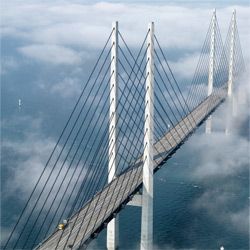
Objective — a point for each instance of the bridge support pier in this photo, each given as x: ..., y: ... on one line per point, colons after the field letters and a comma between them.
x: 112, y: 227
x: 211, y: 70
x: 113, y: 234
x: 147, y: 186
x: 231, y: 72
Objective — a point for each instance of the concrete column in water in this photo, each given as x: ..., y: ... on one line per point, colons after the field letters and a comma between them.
x: 113, y: 226
x: 231, y: 71
x: 211, y: 69
x: 147, y: 187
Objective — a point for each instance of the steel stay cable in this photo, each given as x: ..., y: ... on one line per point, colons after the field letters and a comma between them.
x: 216, y: 90
x: 91, y: 119
x: 222, y: 65
x: 162, y: 109
x: 137, y: 90
x: 124, y: 108
x: 99, y: 144
x: 123, y: 144
x: 121, y: 155
x: 131, y: 169
x: 91, y: 164
x: 170, y: 82
x: 138, y: 56
x: 162, y: 131
x: 227, y: 44
x: 93, y: 210
x: 99, y: 196
x: 111, y: 198
x: 159, y: 47
x: 81, y: 174
x: 122, y: 185
x: 163, y: 119
x: 97, y: 202
x: 218, y: 55
x: 126, y: 150
x: 139, y: 93
x: 143, y: 97
x: 241, y: 53
x: 239, y: 58
x: 78, y: 132
x: 137, y: 114
x: 218, y: 59
x: 78, y: 213
x: 200, y: 88
x: 129, y: 192
x: 53, y: 168
x: 64, y: 128
x: 167, y: 100
x: 198, y: 92
x: 125, y: 85
x: 240, y: 47
x: 241, y: 65
x: 171, y: 122
x: 201, y: 58
x: 171, y: 72
x: 128, y: 50
x: 138, y: 180
x: 201, y: 66
x: 226, y: 49
x: 166, y: 115
x: 156, y: 109
x: 172, y: 88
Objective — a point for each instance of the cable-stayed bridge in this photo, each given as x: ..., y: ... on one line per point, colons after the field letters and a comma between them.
x: 131, y: 117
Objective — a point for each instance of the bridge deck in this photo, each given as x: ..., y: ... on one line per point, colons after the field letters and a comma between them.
x: 92, y: 217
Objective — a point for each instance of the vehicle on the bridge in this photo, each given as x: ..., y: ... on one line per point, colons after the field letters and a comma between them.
x: 62, y: 226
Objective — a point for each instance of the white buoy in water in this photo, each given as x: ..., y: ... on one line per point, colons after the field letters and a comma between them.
x: 168, y: 125
x: 222, y: 248
x: 19, y: 102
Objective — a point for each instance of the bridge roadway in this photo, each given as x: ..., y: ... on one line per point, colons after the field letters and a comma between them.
x: 91, y: 217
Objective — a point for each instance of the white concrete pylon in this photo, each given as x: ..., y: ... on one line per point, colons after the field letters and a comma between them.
x: 211, y: 69
x: 231, y: 59
x: 113, y: 227
x: 231, y: 72
x: 147, y: 187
